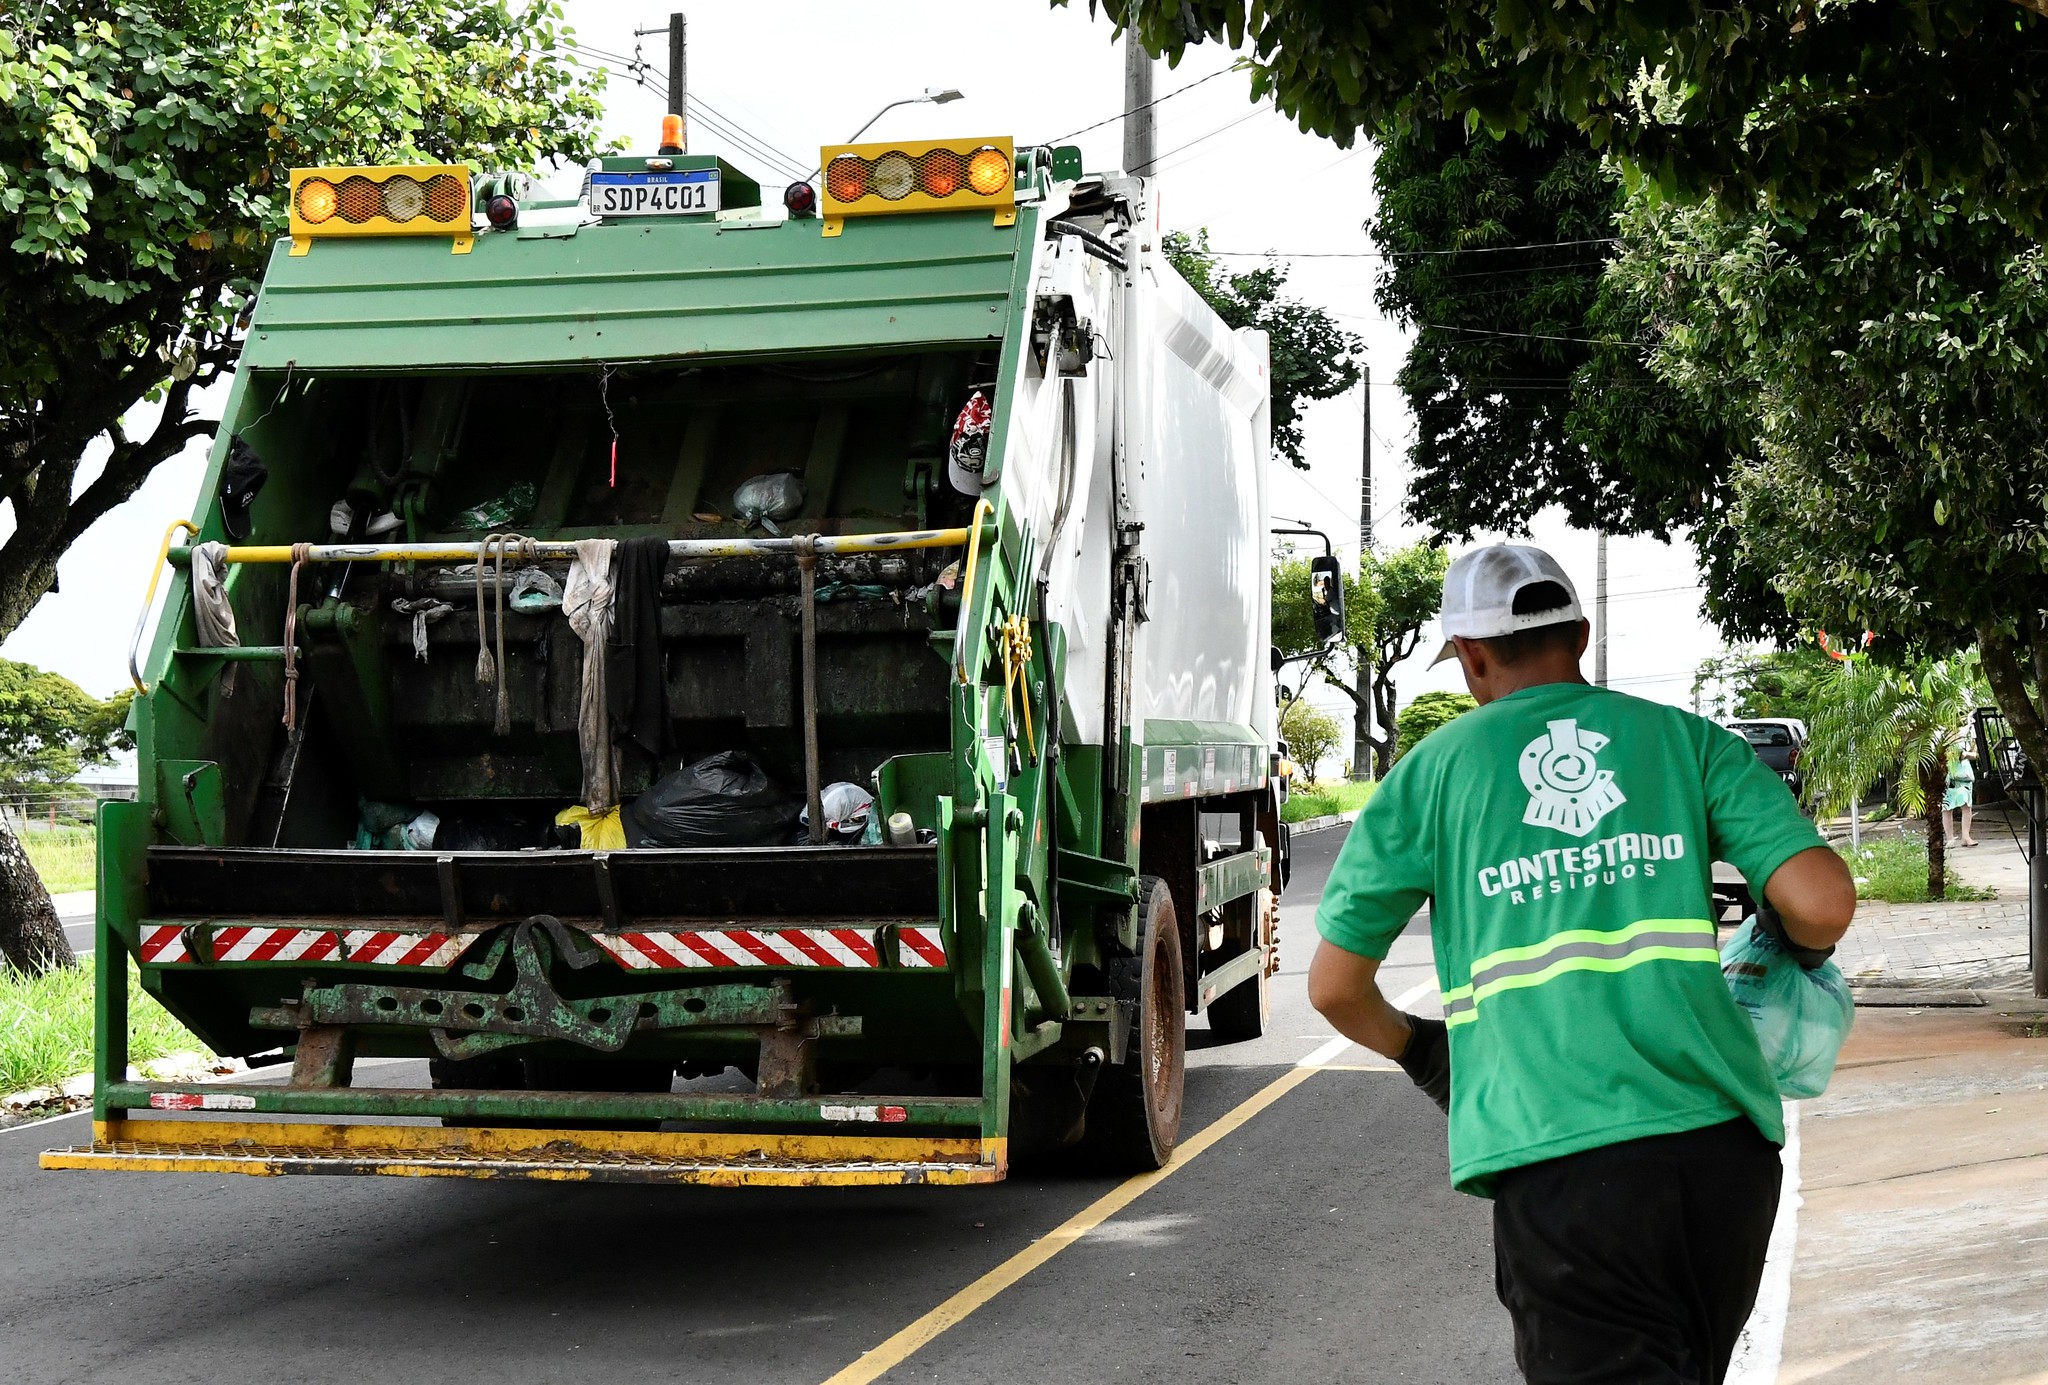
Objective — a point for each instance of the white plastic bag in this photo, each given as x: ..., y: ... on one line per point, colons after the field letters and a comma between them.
x: 1801, y: 1016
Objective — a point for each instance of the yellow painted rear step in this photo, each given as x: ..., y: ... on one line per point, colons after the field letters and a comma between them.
x: 600, y: 1156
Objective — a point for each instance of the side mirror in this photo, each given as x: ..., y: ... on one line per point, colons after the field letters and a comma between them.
x: 1326, y: 597
x: 1279, y: 659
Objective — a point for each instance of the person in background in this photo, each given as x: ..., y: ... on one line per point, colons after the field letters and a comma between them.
x: 1962, y: 787
x: 1604, y: 1089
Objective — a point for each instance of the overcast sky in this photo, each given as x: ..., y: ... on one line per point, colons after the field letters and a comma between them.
x: 785, y: 76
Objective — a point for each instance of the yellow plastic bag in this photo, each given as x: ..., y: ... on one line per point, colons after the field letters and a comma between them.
x: 601, y: 831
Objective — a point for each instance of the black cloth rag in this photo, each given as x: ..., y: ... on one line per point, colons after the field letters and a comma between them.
x: 635, y: 684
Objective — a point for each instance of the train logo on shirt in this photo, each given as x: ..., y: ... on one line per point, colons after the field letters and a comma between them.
x: 1568, y: 791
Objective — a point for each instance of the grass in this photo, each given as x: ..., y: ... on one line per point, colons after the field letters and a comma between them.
x: 63, y: 856
x: 46, y: 1027
x: 1894, y: 869
x: 1339, y: 796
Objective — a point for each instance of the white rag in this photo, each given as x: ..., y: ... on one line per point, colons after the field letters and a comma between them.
x: 587, y: 602
x: 212, y: 612
x: 424, y: 611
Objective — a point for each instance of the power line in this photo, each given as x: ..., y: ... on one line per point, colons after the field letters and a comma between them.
x: 721, y: 124
x: 1120, y: 115
x: 1406, y: 254
x: 1157, y: 159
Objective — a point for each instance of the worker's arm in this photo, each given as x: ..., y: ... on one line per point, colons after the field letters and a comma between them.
x: 1344, y: 987
x: 1815, y: 897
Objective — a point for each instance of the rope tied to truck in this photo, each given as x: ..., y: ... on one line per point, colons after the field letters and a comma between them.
x: 492, y: 552
x: 806, y: 549
x: 300, y: 553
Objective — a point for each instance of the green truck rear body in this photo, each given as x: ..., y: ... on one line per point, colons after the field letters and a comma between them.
x: 894, y: 1004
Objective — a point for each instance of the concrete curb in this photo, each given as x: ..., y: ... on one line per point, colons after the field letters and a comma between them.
x: 1323, y: 823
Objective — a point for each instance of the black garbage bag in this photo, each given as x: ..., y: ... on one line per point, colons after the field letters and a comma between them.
x: 494, y: 827
x: 721, y: 800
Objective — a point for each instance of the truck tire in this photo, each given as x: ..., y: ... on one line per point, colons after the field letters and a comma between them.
x: 1134, y: 1113
x: 1241, y: 1012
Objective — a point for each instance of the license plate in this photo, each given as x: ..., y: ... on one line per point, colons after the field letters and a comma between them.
x: 654, y: 194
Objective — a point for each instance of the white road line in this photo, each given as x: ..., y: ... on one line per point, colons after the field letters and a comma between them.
x: 1762, y: 1344
x: 46, y: 1120
x: 1325, y: 1053
x: 1415, y: 993
x: 1329, y: 1051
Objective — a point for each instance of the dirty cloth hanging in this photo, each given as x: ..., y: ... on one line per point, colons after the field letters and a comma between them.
x: 424, y: 610
x: 635, y: 685
x: 212, y: 613
x: 587, y: 602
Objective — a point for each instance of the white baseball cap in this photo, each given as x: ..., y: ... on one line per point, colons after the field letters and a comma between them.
x: 1480, y: 591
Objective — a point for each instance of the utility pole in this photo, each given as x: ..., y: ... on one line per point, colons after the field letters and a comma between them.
x: 1362, y: 714
x: 1600, y: 612
x: 679, y: 70
x: 1138, y: 148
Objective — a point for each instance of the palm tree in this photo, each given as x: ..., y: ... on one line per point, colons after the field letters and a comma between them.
x: 1869, y: 720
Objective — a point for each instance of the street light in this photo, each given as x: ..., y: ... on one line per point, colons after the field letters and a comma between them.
x: 938, y: 96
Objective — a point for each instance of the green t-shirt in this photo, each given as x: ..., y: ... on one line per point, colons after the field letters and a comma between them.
x: 1565, y: 837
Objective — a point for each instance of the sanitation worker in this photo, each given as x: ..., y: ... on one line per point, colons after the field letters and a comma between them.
x: 1603, y: 1088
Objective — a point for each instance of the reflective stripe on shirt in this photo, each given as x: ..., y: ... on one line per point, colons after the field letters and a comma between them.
x: 1580, y: 949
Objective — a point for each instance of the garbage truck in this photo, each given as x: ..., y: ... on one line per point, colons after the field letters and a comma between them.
x: 749, y: 694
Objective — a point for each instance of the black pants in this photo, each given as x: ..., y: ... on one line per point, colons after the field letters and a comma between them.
x: 1636, y: 1263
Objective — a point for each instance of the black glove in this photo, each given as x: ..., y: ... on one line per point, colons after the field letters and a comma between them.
x: 1427, y: 1060
x: 1771, y: 926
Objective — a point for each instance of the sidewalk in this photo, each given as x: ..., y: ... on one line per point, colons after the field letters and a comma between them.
x: 1922, y: 1250
x: 1964, y: 945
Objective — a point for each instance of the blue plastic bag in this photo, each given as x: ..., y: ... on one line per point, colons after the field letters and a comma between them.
x: 1801, y: 1016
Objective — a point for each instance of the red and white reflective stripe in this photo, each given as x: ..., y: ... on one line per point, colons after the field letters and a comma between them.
x: 743, y: 947
x: 165, y: 943
x: 920, y: 947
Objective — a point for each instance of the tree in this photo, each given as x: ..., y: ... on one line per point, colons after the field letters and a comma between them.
x: 1870, y: 720
x: 1524, y: 376
x: 143, y: 152
x: 1762, y: 682
x: 1410, y: 585
x: 1887, y: 355
x: 50, y: 728
x: 1312, y: 357
x: 1430, y: 711
x: 1785, y: 98
x: 1311, y: 734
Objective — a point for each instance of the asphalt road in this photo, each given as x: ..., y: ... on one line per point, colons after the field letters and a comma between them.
x: 1318, y: 1241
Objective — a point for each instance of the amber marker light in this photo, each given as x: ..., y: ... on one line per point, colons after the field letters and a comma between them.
x: 316, y: 200
x: 847, y: 178
x: 988, y: 171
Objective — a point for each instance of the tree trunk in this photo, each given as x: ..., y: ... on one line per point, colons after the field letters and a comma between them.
x: 2003, y: 672
x: 1362, y: 758
x: 1383, y: 708
x: 1933, y: 784
x: 31, y: 939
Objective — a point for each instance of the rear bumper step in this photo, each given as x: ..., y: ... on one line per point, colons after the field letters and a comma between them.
x: 719, y: 1160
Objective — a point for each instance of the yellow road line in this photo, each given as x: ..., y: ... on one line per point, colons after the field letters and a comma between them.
x: 956, y: 1309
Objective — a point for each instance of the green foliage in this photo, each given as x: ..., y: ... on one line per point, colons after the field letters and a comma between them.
x: 46, y: 1027
x: 1763, y: 682
x: 1894, y: 869
x: 1327, y: 800
x: 65, y: 858
x: 1887, y: 357
x: 1869, y: 720
x: 144, y: 146
x: 50, y: 728
x: 1312, y: 357
x: 1311, y: 734
x: 1430, y: 711
x: 1409, y: 583
x: 1787, y: 98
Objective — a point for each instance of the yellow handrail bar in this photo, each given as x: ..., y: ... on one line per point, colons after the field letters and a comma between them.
x: 149, y: 597
x: 564, y: 549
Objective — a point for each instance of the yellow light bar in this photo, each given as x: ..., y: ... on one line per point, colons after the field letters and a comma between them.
x: 400, y: 200
x: 947, y: 175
